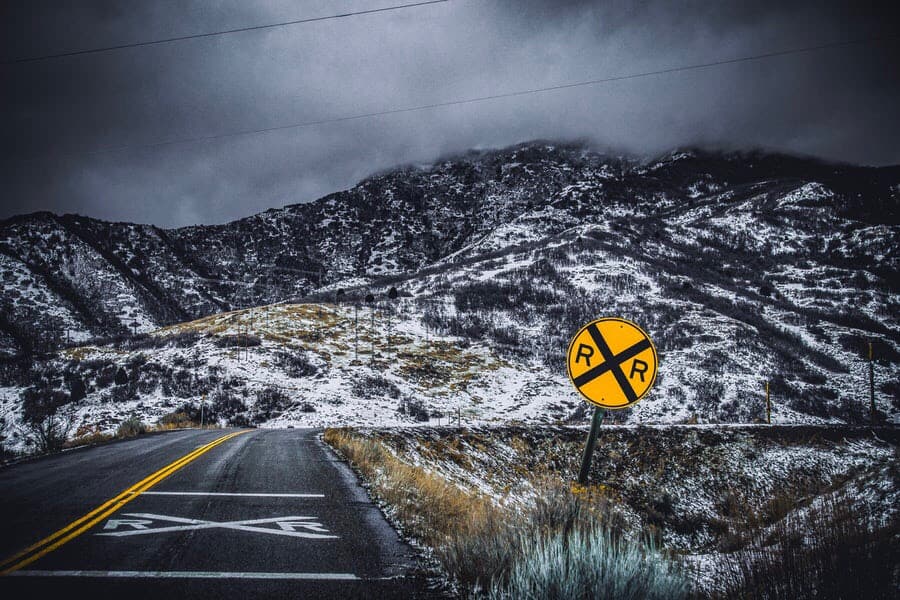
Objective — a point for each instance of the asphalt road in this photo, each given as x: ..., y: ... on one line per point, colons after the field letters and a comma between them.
x: 262, y: 514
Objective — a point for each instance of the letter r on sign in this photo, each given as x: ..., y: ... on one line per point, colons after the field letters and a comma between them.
x: 640, y: 370
x: 586, y: 351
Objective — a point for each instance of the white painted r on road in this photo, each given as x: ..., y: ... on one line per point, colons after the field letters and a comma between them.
x: 136, y: 523
x: 292, y: 526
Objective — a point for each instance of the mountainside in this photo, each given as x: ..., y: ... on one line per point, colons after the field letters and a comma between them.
x: 743, y: 267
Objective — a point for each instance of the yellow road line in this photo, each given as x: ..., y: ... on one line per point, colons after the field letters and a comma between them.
x: 102, y: 507
x: 82, y: 524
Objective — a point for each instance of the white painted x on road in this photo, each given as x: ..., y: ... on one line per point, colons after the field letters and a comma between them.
x: 292, y: 526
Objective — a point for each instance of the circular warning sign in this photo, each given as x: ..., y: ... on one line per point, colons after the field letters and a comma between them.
x: 612, y: 362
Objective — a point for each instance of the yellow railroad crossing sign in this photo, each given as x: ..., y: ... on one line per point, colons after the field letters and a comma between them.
x: 612, y: 362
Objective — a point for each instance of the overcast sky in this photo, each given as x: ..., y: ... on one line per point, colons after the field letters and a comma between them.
x: 60, y: 117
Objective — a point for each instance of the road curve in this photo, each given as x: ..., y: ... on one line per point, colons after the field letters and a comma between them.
x: 265, y: 513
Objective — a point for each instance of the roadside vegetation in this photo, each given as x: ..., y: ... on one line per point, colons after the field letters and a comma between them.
x: 47, y: 429
x: 550, y: 549
x: 833, y: 551
x: 494, y: 508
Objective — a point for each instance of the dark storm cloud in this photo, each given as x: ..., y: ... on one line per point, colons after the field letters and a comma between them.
x: 839, y: 104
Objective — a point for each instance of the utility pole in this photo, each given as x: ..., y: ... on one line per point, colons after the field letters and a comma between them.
x: 319, y: 304
x: 392, y: 296
x: 768, y: 406
x: 356, y: 330
x: 202, y: 404
x: 871, y: 384
x: 370, y: 300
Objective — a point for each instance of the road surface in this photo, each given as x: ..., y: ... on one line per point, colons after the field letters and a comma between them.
x: 200, y: 514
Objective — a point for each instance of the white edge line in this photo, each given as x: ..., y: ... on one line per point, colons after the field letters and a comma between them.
x: 250, y: 495
x: 187, y: 575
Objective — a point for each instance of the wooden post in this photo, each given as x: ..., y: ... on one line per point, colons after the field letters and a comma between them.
x: 768, y: 406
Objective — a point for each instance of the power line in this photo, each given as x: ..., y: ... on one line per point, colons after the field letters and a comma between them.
x: 525, y: 92
x: 217, y: 33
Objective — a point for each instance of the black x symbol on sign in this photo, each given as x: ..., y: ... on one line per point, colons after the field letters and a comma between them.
x: 612, y: 362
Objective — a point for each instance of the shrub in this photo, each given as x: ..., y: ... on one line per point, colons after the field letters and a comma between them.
x: 589, y: 562
x: 270, y: 402
x: 414, y: 408
x: 131, y: 427
x: 225, y: 405
x: 471, y: 327
x: 178, y: 419
x: 375, y: 386
x: 835, y: 550
x: 296, y: 364
x: 47, y: 429
x: 238, y: 340
x: 708, y: 394
x: 123, y: 393
x: 77, y: 389
x: 121, y: 377
x: 489, y: 295
x: 434, y: 316
x: 183, y: 340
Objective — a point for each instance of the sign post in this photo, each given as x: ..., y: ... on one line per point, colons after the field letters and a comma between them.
x: 613, y: 364
x: 589, y: 447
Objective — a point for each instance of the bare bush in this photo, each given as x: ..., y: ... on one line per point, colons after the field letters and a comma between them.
x: 375, y: 386
x: 835, y: 550
x: 296, y: 364
x: 270, y: 403
x: 47, y: 429
x: 238, y: 340
x: 131, y: 427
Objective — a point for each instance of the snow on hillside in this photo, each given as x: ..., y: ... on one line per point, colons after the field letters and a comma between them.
x: 744, y: 269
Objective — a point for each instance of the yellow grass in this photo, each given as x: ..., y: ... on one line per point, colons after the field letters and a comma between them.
x: 426, y: 505
x: 474, y: 539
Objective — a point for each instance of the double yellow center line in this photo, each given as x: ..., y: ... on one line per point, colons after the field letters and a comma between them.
x: 79, y: 526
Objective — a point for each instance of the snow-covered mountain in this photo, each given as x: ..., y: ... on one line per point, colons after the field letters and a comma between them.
x: 744, y: 268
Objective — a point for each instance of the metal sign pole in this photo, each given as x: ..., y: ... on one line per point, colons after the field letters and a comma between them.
x: 589, y: 447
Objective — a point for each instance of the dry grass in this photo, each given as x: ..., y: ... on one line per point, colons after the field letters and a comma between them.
x: 88, y: 435
x: 479, y: 544
x: 89, y: 439
x: 427, y: 506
